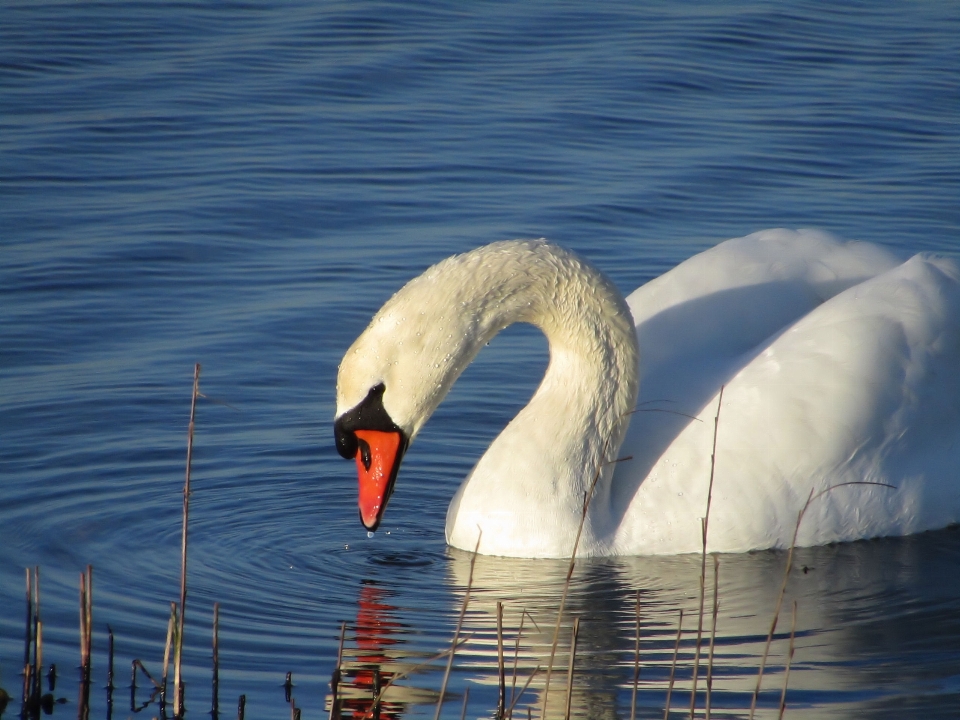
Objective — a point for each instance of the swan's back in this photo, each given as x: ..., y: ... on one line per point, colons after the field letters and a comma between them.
x: 840, y: 365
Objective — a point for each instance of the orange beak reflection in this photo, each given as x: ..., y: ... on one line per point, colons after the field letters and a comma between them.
x: 378, y: 459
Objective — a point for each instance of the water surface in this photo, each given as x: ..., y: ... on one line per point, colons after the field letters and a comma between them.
x: 243, y: 185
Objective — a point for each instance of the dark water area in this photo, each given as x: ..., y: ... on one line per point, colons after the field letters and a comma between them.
x: 243, y: 185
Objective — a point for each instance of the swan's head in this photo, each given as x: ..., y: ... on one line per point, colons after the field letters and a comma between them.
x: 396, y: 373
x: 368, y: 433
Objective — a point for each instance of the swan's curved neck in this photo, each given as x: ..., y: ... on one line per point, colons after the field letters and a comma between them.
x: 533, y: 477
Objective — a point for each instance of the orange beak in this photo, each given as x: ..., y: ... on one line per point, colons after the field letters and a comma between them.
x: 378, y: 459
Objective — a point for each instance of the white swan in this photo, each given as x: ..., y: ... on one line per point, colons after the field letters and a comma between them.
x: 840, y: 363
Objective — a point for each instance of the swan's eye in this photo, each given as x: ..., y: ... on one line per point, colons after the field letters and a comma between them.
x: 364, y: 452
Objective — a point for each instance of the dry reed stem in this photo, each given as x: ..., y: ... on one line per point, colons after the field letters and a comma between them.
x: 37, y: 641
x: 466, y: 699
x: 83, y: 621
x: 39, y: 664
x: 636, y: 663
x: 515, y: 700
x: 335, y: 677
x: 713, y: 634
x: 89, y: 612
x: 400, y: 675
x: 109, y: 658
x: 573, y: 655
x: 704, y: 526
x: 138, y: 664
x: 786, y: 674
x: 27, y: 642
x: 516, y: 654
x: 502, y: 695
x: 456, y: 634
x: 673, y: 666
x: 178, y: 652
x: 86, y: 620
x: 171, y: 630
x: 786, y: 576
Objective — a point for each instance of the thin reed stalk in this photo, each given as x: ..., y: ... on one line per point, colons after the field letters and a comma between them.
x: 636, y: 663
x: 786, y: 673
x: 516, y: 654
x: 456, y: 634
x: 110, y: 686
x: 138, y: 665
x: 86, y: 635
x: 38, y: 666
x: 215, y: 689
x: 515, y: 700
x: 466, y: 699
x: 171, y: 632
x: 83, y: 621
x: 89, y: 611
x: 673, y: 666
x: 400, y: 675
x: 27, y: 643
x: 37, y: 638
x: 335, y: 678
x: 713, y: 633
x: 375, y: 707
x: 178, y: 651
x: 573, y: 655
x: 502, y: 695
x: 704, y: 526
x: 786, y: 576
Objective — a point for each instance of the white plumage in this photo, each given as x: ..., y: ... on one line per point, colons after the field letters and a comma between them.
x: 840, y: 363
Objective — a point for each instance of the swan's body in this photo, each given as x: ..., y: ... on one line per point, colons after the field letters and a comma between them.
x: 840, y: 364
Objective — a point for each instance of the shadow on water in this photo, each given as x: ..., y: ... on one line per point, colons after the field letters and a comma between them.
x: 862, y: 607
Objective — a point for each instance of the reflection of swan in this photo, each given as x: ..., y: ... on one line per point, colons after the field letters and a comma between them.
x: 874, y: 623
x: 840, y: 365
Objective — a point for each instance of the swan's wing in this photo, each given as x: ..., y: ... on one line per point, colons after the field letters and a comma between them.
x: 734, y: 296
x: 864, y: 387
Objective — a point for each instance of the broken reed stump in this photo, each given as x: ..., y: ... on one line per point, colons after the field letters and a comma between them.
x: 28, y: 641
x: 86, y: 642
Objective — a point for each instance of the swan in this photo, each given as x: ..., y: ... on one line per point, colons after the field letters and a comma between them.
x: 838, y: 363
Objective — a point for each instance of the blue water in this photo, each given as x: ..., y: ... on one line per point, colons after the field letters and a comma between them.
x: 242, y: 185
